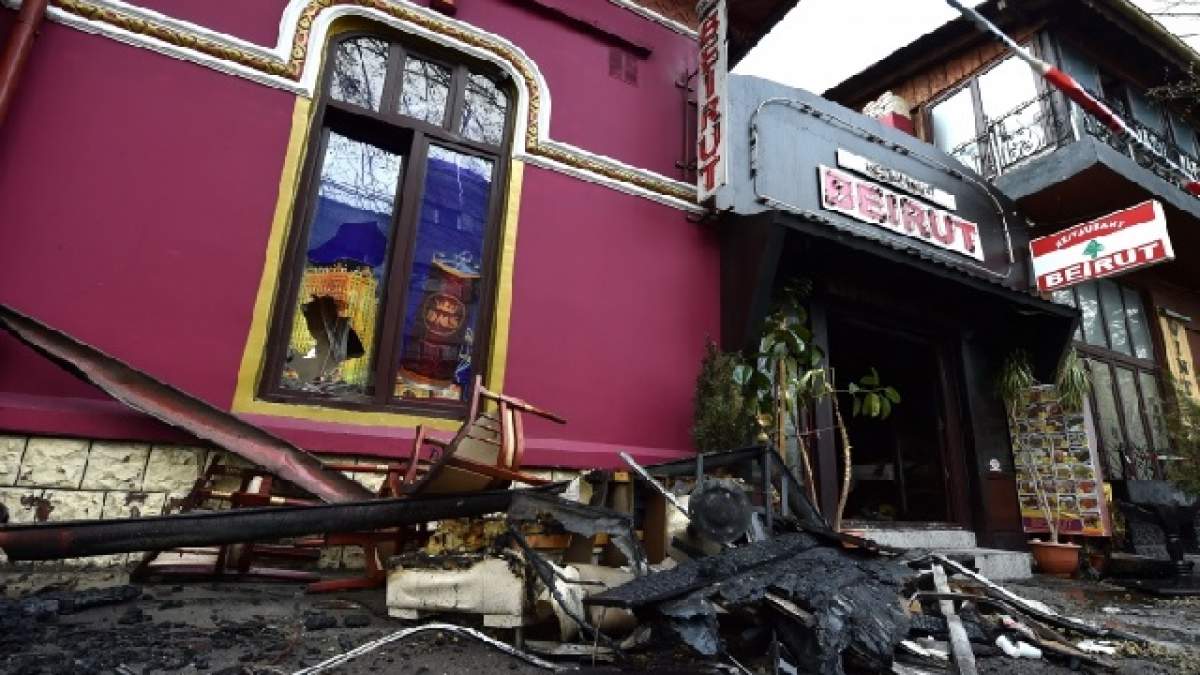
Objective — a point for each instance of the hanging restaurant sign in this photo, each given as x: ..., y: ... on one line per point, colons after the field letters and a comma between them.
x: 896, y: 179
x: 901, y: 213
x: 1114, y: 244
x: 712, y: 162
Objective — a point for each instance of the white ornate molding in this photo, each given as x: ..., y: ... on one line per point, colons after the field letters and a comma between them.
x: 654, y: 16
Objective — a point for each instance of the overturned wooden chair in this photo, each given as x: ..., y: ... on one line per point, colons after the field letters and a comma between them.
x: 485, y: 454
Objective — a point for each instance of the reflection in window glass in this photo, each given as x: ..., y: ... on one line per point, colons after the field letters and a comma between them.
x: 1005, y: 87
x: 1108, y: 420
x: 424, y: 90
x: 1089, y: 308
x: 1139, y: 331
x: 442, y: 301
x: 1067, y: 297
x: 1138, y: 449
x: 1154, y: 410
x: 953, y: 125
x: 1006, y: 92
x: 484, y: 108
x: 360, y: 67
x: 1114, y: 317
x: 333, y: 338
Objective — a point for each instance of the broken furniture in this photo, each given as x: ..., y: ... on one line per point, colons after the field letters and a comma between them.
x: 823, y: 601
x: 497, y: 574
x: 485, y: 454
x: 1160, y: 505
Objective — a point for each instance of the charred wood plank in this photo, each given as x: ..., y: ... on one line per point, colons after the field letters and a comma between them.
x: 1037, y: 611
x: 963, y: 658
x: 695, y: 574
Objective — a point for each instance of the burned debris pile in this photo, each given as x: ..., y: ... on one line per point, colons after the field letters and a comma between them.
x: 722, y: 555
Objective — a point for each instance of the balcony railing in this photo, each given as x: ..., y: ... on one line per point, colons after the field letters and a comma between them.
x: 1027, y: 131
x: 1040, y: 126
x: 1155, y: 139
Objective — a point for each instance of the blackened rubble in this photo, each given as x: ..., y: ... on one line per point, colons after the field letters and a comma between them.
x: 854, y: 601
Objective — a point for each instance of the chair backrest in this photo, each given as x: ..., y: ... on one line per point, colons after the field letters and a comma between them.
x: 490, y: 437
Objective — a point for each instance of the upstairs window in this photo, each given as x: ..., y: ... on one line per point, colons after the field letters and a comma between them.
x: 384, y: 300
x: 994, y: 120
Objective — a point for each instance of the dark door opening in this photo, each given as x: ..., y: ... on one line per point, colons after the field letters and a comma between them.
x: 899, y: 464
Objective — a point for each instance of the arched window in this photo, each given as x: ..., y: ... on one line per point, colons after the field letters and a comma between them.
x: 385, y: 297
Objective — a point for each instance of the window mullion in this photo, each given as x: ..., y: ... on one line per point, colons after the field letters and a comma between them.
x: 390, y: 101
x: 400, y: 267
x: 458, y: 86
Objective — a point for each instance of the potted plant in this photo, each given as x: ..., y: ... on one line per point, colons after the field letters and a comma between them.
x: 1071, y: 383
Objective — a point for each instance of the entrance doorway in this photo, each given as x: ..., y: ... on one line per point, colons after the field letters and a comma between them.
x: 900, y: 465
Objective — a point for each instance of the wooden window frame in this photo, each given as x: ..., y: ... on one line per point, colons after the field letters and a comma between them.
x: 390, y: 129
x: 1032, y: 43
x: 1114, y: 359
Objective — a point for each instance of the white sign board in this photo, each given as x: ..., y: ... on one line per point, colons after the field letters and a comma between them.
x: 1114, y: 244
x: 712, y: 162
x: 901, y: 181
x: 903, y: 214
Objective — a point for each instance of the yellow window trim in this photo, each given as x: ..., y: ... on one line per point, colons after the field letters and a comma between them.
x: 254, y: 354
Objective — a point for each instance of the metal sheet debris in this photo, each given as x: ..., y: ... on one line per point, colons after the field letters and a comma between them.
x: 179, y: 409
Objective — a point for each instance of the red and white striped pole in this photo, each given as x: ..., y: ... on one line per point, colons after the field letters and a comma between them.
x: 1072, y: 90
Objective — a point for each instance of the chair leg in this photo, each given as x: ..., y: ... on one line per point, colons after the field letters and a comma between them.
x: 373, y: 577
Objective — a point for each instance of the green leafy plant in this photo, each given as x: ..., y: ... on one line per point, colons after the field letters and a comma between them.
x: 787, y: 376
x: 1183, y: 429
x: 1072, y: 381
x: 721, y: 419
x: 1015, y: 378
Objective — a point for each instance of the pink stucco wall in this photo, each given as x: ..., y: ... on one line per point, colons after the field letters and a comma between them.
x: 138, y: 191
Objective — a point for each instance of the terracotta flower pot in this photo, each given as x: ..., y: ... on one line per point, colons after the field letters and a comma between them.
x: 1060, y: 560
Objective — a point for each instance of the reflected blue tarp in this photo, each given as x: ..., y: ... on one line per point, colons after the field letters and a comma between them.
x: 344, y: 232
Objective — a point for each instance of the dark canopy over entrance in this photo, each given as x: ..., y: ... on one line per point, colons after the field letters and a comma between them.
x: 937, y: 335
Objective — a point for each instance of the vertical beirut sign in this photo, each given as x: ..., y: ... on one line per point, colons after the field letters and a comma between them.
x: 711, y: 161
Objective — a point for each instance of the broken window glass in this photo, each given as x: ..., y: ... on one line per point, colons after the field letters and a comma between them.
x: 443, y: 290
x: 331, y: 348
x: 360, y: 67
x: 485, y: 107
x: 425, y: 87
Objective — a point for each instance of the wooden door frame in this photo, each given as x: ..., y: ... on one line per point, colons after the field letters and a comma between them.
x: 944, y: 339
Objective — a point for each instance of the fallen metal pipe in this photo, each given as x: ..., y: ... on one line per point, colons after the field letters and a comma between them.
x: 71, y: 539
x: 179, y: 409
x: 16, y: 50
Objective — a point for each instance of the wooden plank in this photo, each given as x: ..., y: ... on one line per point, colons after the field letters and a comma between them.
x: 962, y: 656
x: 655, y: 525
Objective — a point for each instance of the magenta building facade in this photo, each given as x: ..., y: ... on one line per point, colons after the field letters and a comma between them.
x: 161, y: 154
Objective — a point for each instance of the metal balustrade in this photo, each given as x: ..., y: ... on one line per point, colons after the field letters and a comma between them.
x: 1041, y: 125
